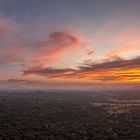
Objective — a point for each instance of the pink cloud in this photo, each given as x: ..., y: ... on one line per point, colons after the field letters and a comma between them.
x: 128, y: 42
x: 122, y: 51
x: 61, y: 47
x: 67, y: 47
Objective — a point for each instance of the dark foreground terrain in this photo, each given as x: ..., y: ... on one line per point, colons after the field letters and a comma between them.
x: 69, y: 115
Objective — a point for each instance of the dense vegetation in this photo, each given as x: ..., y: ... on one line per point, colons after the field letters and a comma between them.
x: 37, y: 115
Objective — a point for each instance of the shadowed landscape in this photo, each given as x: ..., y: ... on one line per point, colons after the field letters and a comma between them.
x: 69, y: 115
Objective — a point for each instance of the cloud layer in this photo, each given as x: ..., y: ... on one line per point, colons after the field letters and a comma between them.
x: 108, y: 70
x: 67, y: 54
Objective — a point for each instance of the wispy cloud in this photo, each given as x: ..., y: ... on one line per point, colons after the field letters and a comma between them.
x: 93, y: 70
x: 65, y: 54
x: 17, y: 45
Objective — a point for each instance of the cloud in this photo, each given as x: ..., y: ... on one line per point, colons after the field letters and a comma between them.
x: 90, y: 52
x: 108, y: 70
x: 63, y: 37
x: 127, y: 42
x: 106, y: 78
x: 66, y: 54
x: 17, y: 81
x: 10, y: 42
x: 58, y: 39
x: 117, y: 64
x: 117, y: 78
x: 123, y: 50
x: 60, y: 48
x: 38, y: 49
x: 50, y: 72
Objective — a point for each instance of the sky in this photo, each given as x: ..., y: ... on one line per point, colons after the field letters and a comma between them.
x: 83, y: 42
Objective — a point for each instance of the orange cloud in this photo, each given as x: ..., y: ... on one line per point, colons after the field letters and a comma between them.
x: 118, y: 70
x: 68, y: 55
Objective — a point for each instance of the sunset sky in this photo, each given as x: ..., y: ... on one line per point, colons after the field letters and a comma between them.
x: 70, y: 41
